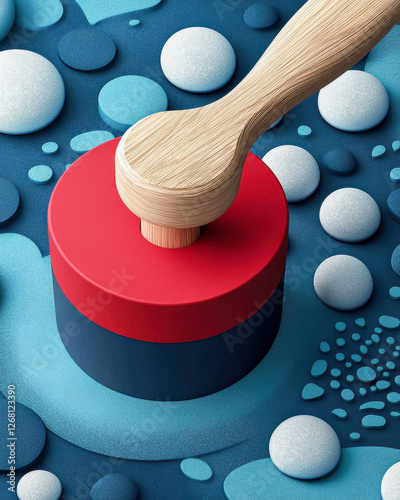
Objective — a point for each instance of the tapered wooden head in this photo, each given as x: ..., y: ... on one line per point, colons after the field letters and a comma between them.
x: 182, y: 169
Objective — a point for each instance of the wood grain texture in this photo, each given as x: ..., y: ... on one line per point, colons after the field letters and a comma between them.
x: 169, y: 237
x: 182, y: 169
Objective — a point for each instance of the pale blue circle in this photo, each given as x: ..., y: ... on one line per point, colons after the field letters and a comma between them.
x: 127, y: 99
x: 40, y: 174
x: 304, y: 131
x: 198, y: 59
x: 196, y: 469
x: 50, y: 148
x: 366, y: 374
x: 7, y: 15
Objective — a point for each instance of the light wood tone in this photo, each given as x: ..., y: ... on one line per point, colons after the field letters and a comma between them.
x: 169, y: 237
x: 182, y: 169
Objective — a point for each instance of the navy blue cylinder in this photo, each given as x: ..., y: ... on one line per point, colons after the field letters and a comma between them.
x: 168, y: 371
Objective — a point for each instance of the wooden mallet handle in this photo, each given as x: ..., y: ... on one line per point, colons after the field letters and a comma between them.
x: 182, y: 169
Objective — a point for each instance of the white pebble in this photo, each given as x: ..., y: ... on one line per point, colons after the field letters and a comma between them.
x: 390, y: 487
x: 198, y: 60
x: 39, y: 484
x: 350, y: 215
x: 32, y: 92
x: 354, y: 102
x: 304, y: 447
x: 343, y: 282
x: 296, y: 170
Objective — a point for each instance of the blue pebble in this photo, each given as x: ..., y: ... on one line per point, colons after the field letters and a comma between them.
x: 382, y: 385
x: 393, y: 203
x: 335, y: 384
x: 340, y: 342
x: 50, y: 148
x: 319, y: 368
x: 335, y: 372
x: 390, y: 365
x: 360, y: 322
x: 89, y: 140
x: 381, y: 350
x: 356, y: 358
x: 363, y: 349
x: 397, y: 380
x: 368, y: 342
x: 304, y: 131
x: 375, y: 338
x: 395, y: 175
x: 196, y: 469
x: 340, y: 326
x: 373, y: 388
x: 378, y: 151
x: 340, y: 413
x: 312, y: 391
x: 394, y: 292
x: 380, y: 369
x: 7, y: 16
x: 324, y: 347
x: 389, y: 322
x: 40, y: 174
x: 373, y: 422
x: 356, y: 337
x: 127, y: 99
x: 348, y: 364
x: 393, y: 397
x: 395, y: 261
x: 396, y: 354
x: 340, y: 356
x: 362, y: 391
x: 385, y: 374
x: 347, y: 395
x: 34, y: 15
x: 134, y: 22
x: 30, y: 433
x: 350, y: 378
x: 395, y: 414
x: 378, y: 330
x: 115, y: 485
x: 366, y: 374
x: 86, y: 49
x: 9, y: 201
x: 396, y: 146
x: 374, y: 361
x: 355, y: 436
x: 339, y: 162
x: 372, y: 405
x: 260, y: 16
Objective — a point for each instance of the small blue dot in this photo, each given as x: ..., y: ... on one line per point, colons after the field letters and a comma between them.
x: 378, y: 330
x: 374, y: 361
x: 340, y: 342
x: 196, y: 469
x: 340, y: 326
x: 373, y: 422
x: 366, y: 374
x: 348, y: 364
x: 393, y: 397
x: 394, y: 293
x: 390, y: 341
x: 362, y: 391
x: 381, y: 385
x: 324, y: 347
x: 304, y: 131
x: 50, y: 148
x: 363, y: 349
x: 368, y: 342
x: 134, y: 22
x: 380, y: 368
x: 395, y: 175
x: 375, y: 338
x: 378, y: 151
x: 356, y: 337
x: 373, y: 388
x: 397, y: 380
x: 340, y: 413
x: 396, y: 146
x: 395, y: 354
x: 347, y: 395
x: 381, y: 350
x: 335, y: 384
x: 350, y: 378
x: 360, y: 322
x: 340, y: 356
x: 40, y: 174
x: 356, y: 358
x: 390, y: 365
x: 335, y: 372
x: 395, y: 414
x: 355, y: 436
x: 385, y: 374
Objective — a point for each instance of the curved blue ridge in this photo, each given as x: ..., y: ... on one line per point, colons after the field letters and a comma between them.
x: 319, y: 368
x: 196, y: 469
x: 384, y: 63
x: 88, y: 140
x: 97, y: 10
x: 35, y: 15
x: 358, y: 475
x: 372, y: 405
